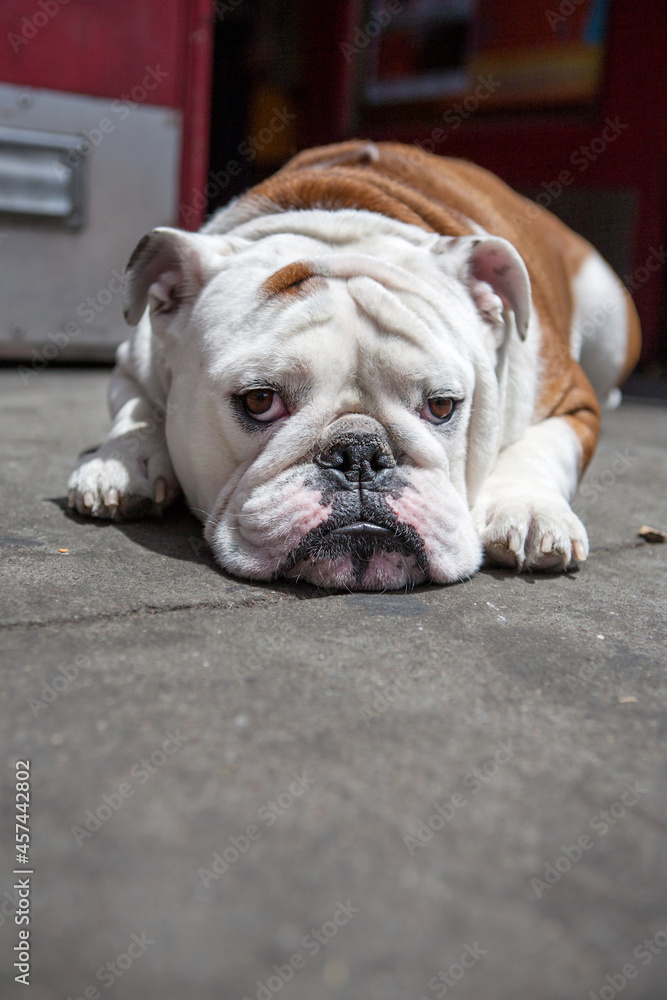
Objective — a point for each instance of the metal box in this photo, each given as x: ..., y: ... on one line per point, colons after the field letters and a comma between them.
x: 81, y: 180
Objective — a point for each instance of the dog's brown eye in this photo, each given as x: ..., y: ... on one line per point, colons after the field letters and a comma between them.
x: 438, y: 410
x: 259, y: 401
x: 264, y: 405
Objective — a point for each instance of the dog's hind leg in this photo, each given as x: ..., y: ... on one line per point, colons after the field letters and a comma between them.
x: 605, y: 337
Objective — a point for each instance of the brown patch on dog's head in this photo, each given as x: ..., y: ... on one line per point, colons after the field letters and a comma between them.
x: 293, y: 279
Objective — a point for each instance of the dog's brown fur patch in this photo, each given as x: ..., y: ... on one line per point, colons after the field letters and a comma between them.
x: 294, y: 279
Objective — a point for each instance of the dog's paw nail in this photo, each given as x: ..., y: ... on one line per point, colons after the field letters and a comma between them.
x: 547, y: 543
x: 88, y: 498
x: 579, y: 550
x: 111, y: 498
x: 160, y: 491
x: 514, y: 540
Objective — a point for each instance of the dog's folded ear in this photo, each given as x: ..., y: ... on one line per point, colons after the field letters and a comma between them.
x: 168, y: 267
x: 495, y: 275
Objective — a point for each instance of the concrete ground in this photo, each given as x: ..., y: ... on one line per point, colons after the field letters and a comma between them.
x: 240, y: 791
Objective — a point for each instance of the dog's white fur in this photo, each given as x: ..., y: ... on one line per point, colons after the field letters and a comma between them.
x: 397, y: 316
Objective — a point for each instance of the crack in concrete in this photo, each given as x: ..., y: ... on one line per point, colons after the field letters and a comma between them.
x: 144, y: 610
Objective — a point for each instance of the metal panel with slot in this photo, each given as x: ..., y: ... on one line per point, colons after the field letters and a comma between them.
x: 81, y: 180
x: 41, y: 176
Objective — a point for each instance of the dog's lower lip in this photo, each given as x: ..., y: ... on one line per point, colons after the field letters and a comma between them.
x: 361, y: 528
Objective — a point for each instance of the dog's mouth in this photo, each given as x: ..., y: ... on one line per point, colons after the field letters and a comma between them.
x: 361, y: 528
x: 356, y: 543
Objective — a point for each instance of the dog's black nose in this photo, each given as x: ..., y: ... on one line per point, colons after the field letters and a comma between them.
x: 357, y: 459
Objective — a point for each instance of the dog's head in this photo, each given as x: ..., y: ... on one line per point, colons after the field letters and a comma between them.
x: 332, y: 391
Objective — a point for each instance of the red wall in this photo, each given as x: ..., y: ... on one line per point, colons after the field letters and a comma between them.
x: 104, y: 48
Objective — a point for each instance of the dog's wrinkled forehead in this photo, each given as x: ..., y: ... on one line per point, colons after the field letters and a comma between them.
x: 267, y: 291
x: 207, y: 282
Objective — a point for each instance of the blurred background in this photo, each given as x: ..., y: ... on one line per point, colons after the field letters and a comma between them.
x: 120, y: 115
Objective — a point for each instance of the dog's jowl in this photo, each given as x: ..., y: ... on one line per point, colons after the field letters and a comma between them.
x: 372, y: 370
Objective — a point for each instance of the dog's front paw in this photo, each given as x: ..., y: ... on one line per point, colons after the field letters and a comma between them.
x: 114, y: 483
x: 530, y: 533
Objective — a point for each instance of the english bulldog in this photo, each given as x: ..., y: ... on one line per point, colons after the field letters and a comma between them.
x: 368, y: 372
